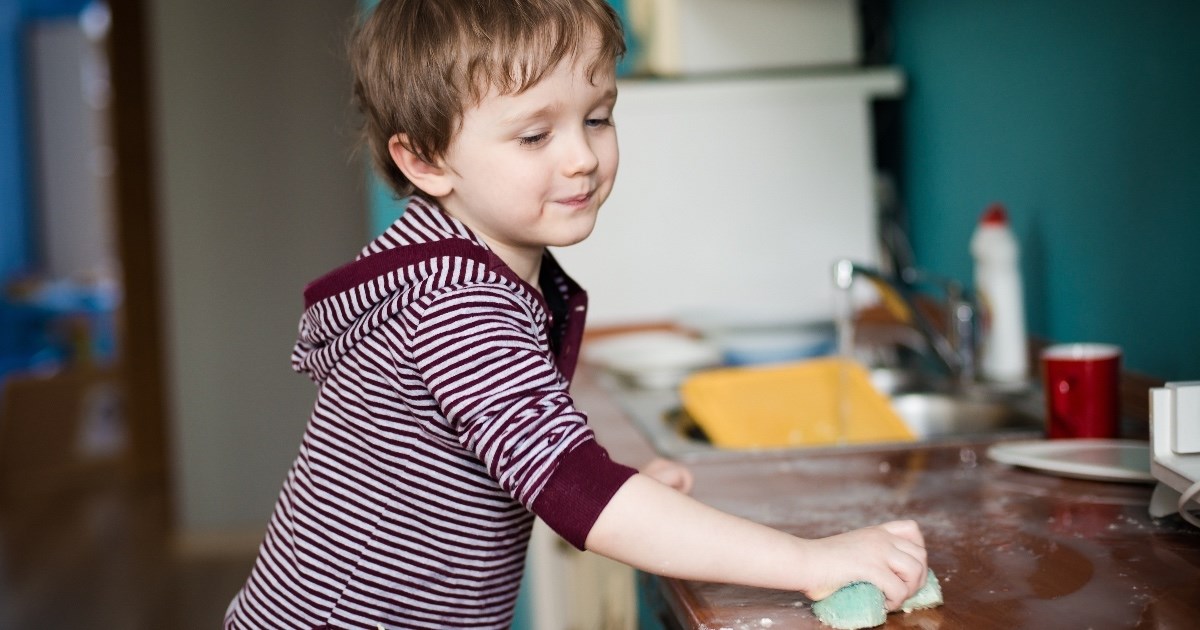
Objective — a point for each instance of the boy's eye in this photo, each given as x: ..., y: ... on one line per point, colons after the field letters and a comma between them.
x: 598, y: 122
x: 534, y: 139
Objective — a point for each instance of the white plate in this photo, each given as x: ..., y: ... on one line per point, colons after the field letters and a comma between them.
x: 1104, y: 460
x: 655, y: 359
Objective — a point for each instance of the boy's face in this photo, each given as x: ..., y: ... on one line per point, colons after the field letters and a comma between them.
x: 530, y: 170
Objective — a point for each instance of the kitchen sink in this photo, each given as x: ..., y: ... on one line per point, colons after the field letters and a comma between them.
x: 933, y: 412
x: 935, y: 415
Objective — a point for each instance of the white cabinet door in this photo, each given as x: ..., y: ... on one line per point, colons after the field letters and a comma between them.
x: 574, y: 590
x: 734, y: 194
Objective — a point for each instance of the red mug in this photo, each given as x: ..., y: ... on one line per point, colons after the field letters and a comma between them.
x: 1083, y: 396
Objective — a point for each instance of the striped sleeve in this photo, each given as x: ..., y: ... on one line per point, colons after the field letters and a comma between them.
x: 483, y: 358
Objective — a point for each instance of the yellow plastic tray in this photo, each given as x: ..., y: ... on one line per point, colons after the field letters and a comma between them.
x: 793, y: 404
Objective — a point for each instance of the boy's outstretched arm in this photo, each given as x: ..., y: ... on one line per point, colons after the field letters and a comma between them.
x: 651, y: 527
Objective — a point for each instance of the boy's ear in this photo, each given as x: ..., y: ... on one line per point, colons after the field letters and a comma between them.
x: 430, y: 178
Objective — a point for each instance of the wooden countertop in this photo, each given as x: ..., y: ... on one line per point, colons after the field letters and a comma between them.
x: 1013, y: 548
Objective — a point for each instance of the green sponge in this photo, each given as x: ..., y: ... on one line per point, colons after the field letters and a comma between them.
x: 855, y: 605
x: 929, y: 596
x: 860, y: 604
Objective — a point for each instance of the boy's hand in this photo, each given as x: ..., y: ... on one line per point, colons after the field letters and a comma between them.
x: 669, y: 473
x: 891, y: 556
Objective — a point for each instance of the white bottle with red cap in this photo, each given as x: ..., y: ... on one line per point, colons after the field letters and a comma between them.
x: 1003, y: 351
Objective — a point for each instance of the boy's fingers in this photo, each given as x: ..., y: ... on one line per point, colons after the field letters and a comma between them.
x: 670, y: 473
x: 895, y: 590
x: 910, y: 570
x: 686, y: 486
x: 906, y: 529
x: 913, y: 550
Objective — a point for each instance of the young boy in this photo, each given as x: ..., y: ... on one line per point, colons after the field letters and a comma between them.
x: 443, y: 354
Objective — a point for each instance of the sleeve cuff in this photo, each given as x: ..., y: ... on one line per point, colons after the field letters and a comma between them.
x: 578, y: 490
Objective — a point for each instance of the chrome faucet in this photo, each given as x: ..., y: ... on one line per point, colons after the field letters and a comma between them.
x: 954, y: 349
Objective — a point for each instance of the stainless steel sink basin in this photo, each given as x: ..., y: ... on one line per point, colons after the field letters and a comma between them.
x: 934, y: 416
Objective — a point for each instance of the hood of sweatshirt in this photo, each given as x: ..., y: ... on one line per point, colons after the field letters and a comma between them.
x: 347, y: 304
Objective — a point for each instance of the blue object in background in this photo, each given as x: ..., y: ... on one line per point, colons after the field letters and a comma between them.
x: 1081, y: 118
x: 15, y: 232
x: 57, y: 323
x: 17, y: 251
x: 25, y: 328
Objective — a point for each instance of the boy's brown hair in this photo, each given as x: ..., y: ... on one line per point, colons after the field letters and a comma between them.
x: 419, y: 64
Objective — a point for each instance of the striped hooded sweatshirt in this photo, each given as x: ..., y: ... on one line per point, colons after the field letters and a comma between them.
x: 442, y: 424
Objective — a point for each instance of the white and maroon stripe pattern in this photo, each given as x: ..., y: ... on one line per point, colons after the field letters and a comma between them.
x: 441, y: 417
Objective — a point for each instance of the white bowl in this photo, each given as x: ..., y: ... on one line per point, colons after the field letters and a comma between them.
x: 656, y: 359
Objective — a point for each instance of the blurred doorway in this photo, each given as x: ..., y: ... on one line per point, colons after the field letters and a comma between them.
x: 81, y: 301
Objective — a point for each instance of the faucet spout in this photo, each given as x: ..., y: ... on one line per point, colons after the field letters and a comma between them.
x: 953, y: 345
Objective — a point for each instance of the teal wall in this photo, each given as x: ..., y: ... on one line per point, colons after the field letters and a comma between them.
x: 1083, y: 116
x: 383, y: 207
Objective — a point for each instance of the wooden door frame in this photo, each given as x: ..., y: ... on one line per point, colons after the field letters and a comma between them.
x: 137, y: 241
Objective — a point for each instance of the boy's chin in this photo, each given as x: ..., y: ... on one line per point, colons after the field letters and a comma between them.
x: 573, y: 235
x: 567, y: 242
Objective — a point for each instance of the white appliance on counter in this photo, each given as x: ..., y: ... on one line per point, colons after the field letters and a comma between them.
x: 1175, y: 448
x: 734, y: 193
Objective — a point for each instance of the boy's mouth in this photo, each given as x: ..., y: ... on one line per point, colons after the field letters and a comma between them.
x: 577, y: 201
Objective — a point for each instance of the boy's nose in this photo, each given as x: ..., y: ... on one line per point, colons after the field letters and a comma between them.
x: 580, y: 157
